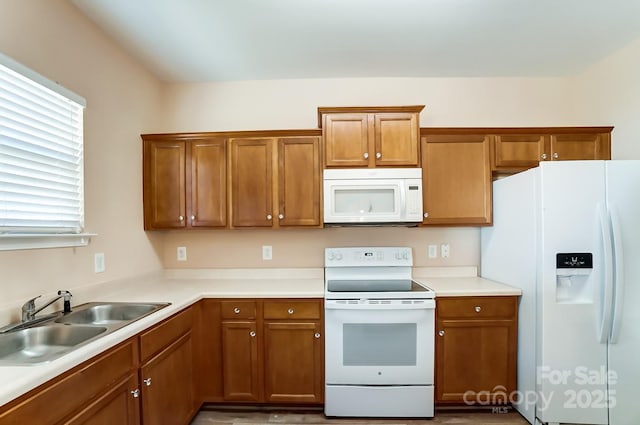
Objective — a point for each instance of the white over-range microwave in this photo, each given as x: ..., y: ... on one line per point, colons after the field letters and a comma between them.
x: 372, y: 196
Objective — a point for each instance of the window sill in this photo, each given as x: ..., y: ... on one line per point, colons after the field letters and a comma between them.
x: 28, y: 241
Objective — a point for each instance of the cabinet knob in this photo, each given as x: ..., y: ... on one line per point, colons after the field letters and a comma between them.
x: 269, y: 217
x: 441, y: 333
x: 135, y: 393
x: 193, y: 217
x: 316, y: 335
x: 378, y: 155
x: 147, y: 382
x: 290, y: 311
x: 426, y: 215
x: 555, y: 155
x: 477, y: 309
x: 236, y: 310
x: 181, y: 218
x: 280, y: 216
x: 366, y: 155
x: 543, y: 156
x: 252, y: 334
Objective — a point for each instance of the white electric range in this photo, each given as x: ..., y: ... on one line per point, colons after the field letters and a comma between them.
x: 379, y: 334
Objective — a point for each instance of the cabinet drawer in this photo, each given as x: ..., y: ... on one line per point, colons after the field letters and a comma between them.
x: 74, y: 390
x: 238, y: 309
x: 292, y: 309
x: 160, y: 336
x: 480, y: 307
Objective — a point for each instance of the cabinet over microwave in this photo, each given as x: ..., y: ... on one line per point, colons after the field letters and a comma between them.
x: 372, y: 196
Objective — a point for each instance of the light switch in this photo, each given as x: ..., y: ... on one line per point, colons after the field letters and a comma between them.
x: 181, y: 253
x: 98, y: 262
x: 433, y: 251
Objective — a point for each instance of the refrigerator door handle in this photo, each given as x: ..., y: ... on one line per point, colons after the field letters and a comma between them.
x: 604, y: 327
x: 618, y: 287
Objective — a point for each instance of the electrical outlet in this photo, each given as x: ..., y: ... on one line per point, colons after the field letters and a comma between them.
x: 181, y: 253
x: 444, y: 250
x: 433, y: 251
x: 267, y: 252
x: 98, y: 262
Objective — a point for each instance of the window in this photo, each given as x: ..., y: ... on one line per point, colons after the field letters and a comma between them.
x: 41, y: 161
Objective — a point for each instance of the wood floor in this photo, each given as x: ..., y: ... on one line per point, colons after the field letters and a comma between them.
x: 209, y: 416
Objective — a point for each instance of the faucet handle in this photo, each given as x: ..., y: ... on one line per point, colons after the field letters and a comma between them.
x: 28, y: 308
x: 30, y: 304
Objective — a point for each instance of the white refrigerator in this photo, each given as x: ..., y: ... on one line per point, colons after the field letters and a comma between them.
x: 568, y: 234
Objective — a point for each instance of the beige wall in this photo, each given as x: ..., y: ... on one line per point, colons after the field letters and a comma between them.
x: 54, y: 39
x: 609, y: 92
x: 256, y: 105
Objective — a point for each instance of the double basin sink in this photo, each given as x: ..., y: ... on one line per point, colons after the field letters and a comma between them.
x: 60, y: 333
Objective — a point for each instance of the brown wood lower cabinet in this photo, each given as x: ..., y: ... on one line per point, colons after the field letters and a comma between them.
x: 476, y: 343
x: 116, y: 406
x: 293, y: 359
x: 167, y: 385
x: 272, y: 351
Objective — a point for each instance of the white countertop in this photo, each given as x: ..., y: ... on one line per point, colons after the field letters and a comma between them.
x: 467, y: 286
x: 182, y: 288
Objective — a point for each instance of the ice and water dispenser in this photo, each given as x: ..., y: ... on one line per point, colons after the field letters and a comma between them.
x: 574, y: 282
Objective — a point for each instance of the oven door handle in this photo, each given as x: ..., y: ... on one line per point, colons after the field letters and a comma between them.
x: 336, y: 305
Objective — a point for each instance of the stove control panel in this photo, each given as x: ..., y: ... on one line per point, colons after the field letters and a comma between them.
x: 368, y: 256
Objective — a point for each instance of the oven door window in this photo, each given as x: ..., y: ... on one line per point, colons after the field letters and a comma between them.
x: 379, y: 344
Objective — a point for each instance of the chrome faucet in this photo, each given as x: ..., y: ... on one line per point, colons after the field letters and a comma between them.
x: 29, y: 309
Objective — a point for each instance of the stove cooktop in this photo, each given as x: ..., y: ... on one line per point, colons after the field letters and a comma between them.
x: 376, y: 288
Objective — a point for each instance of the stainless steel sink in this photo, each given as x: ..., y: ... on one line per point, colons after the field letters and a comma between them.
x: 49, y: 337
x: 44, y: 343
x: 108, y: 313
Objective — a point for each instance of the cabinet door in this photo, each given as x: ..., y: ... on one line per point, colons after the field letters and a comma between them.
x: 580, y: 146
x: 117, y: 406
x: 164, y: 184
x: 346, y: 140
x: 474, y: 356
x: 299, y: 181
x: 515, y: 152
x: 251, y: 163
x: 293, y: 362
x: 456, y: 174
x: 240, y: 363
x: 167, y: 382
x: 397, y: 139
x: 207, y: 185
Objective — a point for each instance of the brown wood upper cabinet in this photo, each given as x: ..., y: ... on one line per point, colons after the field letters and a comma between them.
x: 456, y: 175
x: 184, y: 182
x: 371, y: 136
x: 275, y: 181
x: 519, y: 149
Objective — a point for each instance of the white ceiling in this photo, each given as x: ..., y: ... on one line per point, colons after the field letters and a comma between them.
x: 225, y: 40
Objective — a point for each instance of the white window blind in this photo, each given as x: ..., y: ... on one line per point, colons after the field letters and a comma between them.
x: 41, y: 155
